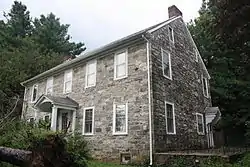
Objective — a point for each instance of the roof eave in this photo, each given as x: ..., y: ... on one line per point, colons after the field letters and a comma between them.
x: 107, y: 49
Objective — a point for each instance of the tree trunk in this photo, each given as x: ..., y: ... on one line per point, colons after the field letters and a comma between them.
x: 14, y: 156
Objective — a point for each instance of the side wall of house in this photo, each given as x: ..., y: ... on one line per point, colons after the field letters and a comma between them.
x: 185, y: 90
x: 132, y: 90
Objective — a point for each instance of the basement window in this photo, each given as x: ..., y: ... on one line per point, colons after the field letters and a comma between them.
x: 125, y: 158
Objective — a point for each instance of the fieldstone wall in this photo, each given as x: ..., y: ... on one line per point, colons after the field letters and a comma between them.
x: 133, y: 90
x: 184, y: 90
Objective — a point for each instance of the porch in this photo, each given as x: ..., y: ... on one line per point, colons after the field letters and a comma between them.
x: 61, y: 109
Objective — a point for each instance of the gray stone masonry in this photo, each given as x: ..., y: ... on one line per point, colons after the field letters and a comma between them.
x: 133, y: 89
x: 184, y: 90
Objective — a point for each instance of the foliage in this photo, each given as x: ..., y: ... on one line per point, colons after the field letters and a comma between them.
x: 102, y: 164
x: 22, y: 135
x: 222, y: 34
x: 77, y: 147
x: 51, y: 35
x: 28, y: 47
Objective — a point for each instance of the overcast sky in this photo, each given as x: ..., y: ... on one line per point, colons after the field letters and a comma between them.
x: 98, y: 22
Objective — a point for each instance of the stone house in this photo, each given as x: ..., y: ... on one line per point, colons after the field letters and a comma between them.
x: 144, y: 94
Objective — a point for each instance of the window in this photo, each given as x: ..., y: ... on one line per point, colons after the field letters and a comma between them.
x: 125, y: 158
x: 200, y: 123
x: 170, y: 118
x: 34, y: 93
x: 49, y: 86
x: 196, y: 55
x: 166, y: 64
x: 88, y: 124
x: 90, y: 74
x: 121, y: 65
x: 67, y: 81
x: 47, y: 118
x: 205, y: 86
x: 31, y: 121
x: 120, y: 119
x: 171, y: 34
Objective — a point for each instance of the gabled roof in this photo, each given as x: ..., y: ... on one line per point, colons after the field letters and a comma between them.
x: 212, y: 114
x: 107, y: 48
x: 57, y: 100
x: 97, y: 51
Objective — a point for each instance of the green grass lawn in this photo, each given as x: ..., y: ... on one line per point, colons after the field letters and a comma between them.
x: 102, y: 164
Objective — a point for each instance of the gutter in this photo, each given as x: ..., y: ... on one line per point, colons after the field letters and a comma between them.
x: 100, y: 52
x: 149, y: 105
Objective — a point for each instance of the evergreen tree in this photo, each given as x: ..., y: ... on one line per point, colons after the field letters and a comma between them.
x: 53, y: 36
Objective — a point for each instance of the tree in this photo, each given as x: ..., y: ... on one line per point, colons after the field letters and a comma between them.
x: 19, y: 20
x: 222, y: 35
x: 27, y: 49
x: 53, y: 36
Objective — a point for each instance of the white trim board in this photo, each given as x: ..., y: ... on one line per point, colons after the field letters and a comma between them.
x: 93, y: 121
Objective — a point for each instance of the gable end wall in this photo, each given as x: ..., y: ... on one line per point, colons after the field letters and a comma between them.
x: 184, y: 90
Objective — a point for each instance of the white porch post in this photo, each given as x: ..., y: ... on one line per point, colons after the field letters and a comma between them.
x: 73, y: 120
x: 54, y: 118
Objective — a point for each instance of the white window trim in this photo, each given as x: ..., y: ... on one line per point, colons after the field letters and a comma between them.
x: 33, y: 92
x: 114, y: 119
x: 173, y: 110
x: 93, y: 121
x: 25, y: 94
x: 170, y: 64
x: 171, y: 33
x: 70, y: 71
x: 52, y: 78
x: 197, y: 126
x: 86, y: 73
x: 206, y: 94
x: 126, y: 63
x: 196, y: 55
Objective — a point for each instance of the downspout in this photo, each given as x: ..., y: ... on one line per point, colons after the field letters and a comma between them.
x: 149, y: 106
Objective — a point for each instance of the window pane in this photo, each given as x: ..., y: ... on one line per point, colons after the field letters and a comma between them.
x: 170, y: 118
x: 34, y: 93
x: 91, y: 80
x: 200, y: 123
x: 121, y: 70
x: 68, y: 75
x: 171, y: 34
x: 166, y: 64
x: 68, y: 86
x: 120, y: 58
x: 120, y: 122
x: 91, y: 68
x: 170, y: 125
x: 205, y: 86
x: 46, y: 118
x: 88, y: 121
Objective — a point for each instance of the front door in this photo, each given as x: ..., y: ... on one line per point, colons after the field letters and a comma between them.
x: 65, y: 120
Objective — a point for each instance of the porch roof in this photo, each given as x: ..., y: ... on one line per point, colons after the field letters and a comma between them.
x: 212, y: 114
x: 56, y: 100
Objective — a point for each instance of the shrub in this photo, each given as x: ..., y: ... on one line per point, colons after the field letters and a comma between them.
x: 77, y: 147
x: 22, y: 135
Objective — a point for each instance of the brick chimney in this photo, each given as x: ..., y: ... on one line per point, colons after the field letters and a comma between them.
x: 173, y: 11
x: 67, y: 58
